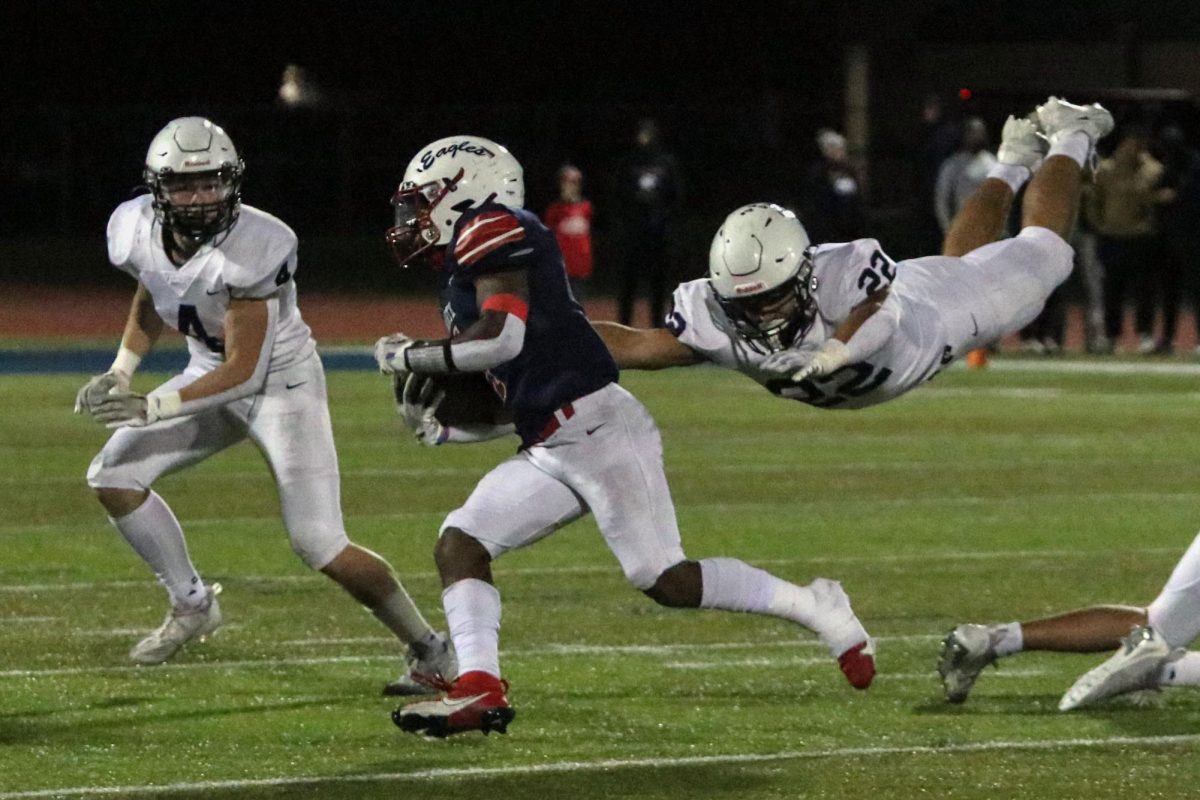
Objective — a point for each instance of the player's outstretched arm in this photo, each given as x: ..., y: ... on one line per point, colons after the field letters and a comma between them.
x: 864, y: 331
x: 645, y: 348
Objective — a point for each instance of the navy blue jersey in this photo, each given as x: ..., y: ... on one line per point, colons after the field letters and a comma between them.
x: 563, y: 358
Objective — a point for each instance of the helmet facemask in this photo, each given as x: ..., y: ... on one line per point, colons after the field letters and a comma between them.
x: 774, y: 320
x: 197, y: 206
x: 415, y: 231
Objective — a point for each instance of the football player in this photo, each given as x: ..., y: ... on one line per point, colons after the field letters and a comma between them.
x: 586, y: 443
x: 1151, y: 642
x: 843, y: 326
x: 222, y: 273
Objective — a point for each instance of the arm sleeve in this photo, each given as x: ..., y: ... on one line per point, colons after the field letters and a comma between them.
x: 469, y: 434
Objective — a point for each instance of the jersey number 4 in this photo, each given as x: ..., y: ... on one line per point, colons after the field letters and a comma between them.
x: 828, y: 391
x: 190, y: 325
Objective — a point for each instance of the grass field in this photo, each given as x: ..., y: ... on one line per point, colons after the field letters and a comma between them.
x: 984, y: 496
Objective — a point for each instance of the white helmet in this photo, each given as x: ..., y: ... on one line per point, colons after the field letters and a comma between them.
x: 191, y: 152
x: 441, y: 182
x: 760, y: 268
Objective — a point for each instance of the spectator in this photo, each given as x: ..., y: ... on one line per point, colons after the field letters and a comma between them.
x: 939, y: 138
x: 960, y: 174
x: 570, y: 217
x: 1121, y: 208
x: 1179, y: 196
x: 651, y: 192
x: 831, y: 203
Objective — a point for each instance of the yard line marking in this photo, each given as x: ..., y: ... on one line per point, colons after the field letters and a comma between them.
x: 558, y: 767
x: 276, y: 523
x: 598, y: 569
x: 544, y: 650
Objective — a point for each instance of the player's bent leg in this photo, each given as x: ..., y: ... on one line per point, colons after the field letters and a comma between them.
x: 981, y: 219
x: 680, y: 586
x: 1088, y: 630
x: 1175, y: 613
x: 120, y: 502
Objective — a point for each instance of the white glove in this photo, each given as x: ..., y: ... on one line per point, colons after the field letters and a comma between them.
x: 389, y: 353
x: 418, y: 405
x: 126, y: 409
x: 95, y: 390
x: 798, y: 365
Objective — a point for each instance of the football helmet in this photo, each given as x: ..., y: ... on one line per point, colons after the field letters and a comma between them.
x: 442, y: 181
x: 194, y: 174
x: 761, y: 270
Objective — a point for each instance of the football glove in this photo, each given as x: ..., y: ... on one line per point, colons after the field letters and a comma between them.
x: 95, y: 390
x: 799, y: 365
x: 126, y: 409
x: 419, y: 403
x: 389, y: 353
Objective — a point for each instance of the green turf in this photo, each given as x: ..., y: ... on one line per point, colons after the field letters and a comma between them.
x: 985, y: 496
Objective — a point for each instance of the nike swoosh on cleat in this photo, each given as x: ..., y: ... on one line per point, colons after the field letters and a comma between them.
x: 454, y: 705
x: 593, y: 430
x: 294, y: 385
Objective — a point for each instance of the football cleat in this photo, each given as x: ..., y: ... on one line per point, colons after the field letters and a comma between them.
x: 1058, y: 118
x: 477, y: 701
x: 1021, y: 144
x: 431, y: 665
x: 966, y: 650
x: 179, y: 628
x: 1134, y: 667
x: 841, y: 631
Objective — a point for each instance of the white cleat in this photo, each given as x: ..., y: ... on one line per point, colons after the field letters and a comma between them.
x: 179, y: 628
x: 1058, y: 118
x: 1021, y: 144
x: 966, y: 650
x: 1135, y: 667
x: 432, y: 665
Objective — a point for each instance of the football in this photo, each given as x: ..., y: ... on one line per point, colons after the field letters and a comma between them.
x: 469, y: 400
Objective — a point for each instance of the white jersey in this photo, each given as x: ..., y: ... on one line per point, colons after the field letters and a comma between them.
x: 256, y: 260
x: 845, y: 275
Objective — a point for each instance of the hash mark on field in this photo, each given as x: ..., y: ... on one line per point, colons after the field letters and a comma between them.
x: 558, y: 767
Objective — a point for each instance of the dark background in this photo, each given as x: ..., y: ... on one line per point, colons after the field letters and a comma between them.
x: 738, y: 88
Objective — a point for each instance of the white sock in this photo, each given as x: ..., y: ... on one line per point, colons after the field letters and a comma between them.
x: 1012, y: 639
x: 473, y: 614
x: 154, y: 534
x: 1175, y: 613
x: 733, y: 585
x: 1075, y: 145
x: 1184, y: 671
x: 402, y: 617
x: 1015, y: 175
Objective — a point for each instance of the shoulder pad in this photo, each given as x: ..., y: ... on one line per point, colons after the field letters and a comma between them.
x: 259, y: 250
x: 484, y: 234
x: 123, y: 229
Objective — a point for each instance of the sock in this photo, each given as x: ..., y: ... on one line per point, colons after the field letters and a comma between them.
x: 1015, y: 175
x: 1175, y: 613
x: 154, y: 534
x: 1011, y: 639
x: 1184, y: 671
x: 1075, y: 145
x: 733, y: 585
x: 401, y: 616
x: 473, y: 614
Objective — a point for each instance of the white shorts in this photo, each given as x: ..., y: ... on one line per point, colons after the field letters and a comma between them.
x: 996, y: 289
x: 289, y: 422
x: 607, y: 459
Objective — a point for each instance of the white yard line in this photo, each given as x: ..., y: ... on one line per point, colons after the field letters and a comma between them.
x: 545, y: 650
x: 601, y: 569
x: 601, y: 765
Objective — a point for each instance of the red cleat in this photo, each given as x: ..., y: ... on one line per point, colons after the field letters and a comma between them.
x: 476, y: 701
x: 858, y: 664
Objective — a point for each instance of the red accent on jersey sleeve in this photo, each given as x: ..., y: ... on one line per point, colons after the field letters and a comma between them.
x: 509, y: 304
x: 484, y: 234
